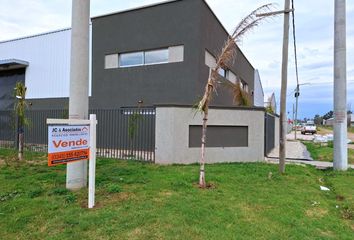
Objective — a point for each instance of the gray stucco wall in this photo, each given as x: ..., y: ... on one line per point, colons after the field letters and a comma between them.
x: 170, y: 24
x: 213, y: 37
x: 172, y: 132
x: 186, y: 22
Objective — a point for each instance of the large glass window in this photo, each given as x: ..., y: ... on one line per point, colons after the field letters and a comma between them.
x: 156, y: 56
x: 131, y: 59
x: 141, y: 58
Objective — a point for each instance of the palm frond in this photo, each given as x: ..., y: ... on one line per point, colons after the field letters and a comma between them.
x: 228, y: 54
x: 251, y: 21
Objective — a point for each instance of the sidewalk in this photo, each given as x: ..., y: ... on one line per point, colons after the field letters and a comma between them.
x: 317, y: 164
x: 296, y: 153
x: 294, y: 150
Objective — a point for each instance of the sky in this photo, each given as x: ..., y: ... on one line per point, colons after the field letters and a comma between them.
x: 314, y: 20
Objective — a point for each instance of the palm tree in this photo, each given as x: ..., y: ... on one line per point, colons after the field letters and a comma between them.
x: 20, y: 107
x: 226, y: 57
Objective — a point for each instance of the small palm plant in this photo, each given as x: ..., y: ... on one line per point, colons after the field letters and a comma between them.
x: 20, y: 108
x: 226, y: 57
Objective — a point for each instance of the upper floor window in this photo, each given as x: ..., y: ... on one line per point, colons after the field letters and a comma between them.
x: 244, y: 86
x: 171, y: 54
x: 156, y: 56
x: 131, y: 59
x: 222, y: 72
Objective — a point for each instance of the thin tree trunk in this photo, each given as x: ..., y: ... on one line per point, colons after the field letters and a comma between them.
x: 202, y: 183
x: 20, y: 144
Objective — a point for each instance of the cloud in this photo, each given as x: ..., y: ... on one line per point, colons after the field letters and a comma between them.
x: 317, y: 65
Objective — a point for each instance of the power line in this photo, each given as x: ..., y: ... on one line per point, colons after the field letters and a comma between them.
x: 294, y: 37
x: 297, y: 92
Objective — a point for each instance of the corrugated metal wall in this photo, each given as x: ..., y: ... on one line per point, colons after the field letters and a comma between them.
x: 48, y: 73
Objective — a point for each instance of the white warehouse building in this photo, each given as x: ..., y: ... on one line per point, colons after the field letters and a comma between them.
x: 41, y: 61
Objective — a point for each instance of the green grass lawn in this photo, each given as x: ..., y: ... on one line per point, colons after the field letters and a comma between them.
x: 146, y: 201
x: 351, y: 129
x: 325, y: 153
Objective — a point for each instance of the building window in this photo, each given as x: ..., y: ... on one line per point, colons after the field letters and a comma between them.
x: 222, y: 72
x: 244, y: 86
x: 164, y: 55
x: 131, y: 59
x: 210, y: 60
x: 156, y: 56
x: 231, y: 76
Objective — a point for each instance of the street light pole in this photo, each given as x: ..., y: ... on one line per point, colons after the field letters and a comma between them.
x: 76, y: 174
x: 340, y: 153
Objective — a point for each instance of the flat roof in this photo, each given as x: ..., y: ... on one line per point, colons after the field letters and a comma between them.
x: 9, y: 64
x: 36, y: 35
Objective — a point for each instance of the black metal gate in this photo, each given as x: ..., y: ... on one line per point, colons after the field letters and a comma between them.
x: 269, y: 136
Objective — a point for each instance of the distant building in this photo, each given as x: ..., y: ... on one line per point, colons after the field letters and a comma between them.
x: 328, y: 122
x: 270, y: 102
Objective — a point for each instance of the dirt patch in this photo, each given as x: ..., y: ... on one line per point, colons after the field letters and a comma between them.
x: 137, y: 233
x: 165, y: 193
x: 327, y: 234
x: 208, y: 186
x: 351, y: 136
x: 316, y: 212
x: 340, y: 198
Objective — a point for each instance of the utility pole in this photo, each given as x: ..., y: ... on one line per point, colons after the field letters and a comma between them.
x: 284, y: 83
x: 76, y: 174
x: 340, y: 161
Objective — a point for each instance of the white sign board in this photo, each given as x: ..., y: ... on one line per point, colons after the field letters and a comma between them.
x: 68, y: 144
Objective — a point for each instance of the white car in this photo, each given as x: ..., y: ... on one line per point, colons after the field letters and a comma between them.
x: 309, y: 127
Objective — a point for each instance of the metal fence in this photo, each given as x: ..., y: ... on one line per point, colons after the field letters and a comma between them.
x: 124, y: 133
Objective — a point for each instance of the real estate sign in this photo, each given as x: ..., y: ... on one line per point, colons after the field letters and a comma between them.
x: 68, y: 144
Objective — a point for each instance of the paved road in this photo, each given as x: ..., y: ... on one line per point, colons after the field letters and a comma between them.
x: 299, y: 136
x: 309, y: 137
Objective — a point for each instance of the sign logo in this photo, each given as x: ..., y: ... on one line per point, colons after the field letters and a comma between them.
x: 68, y: 144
